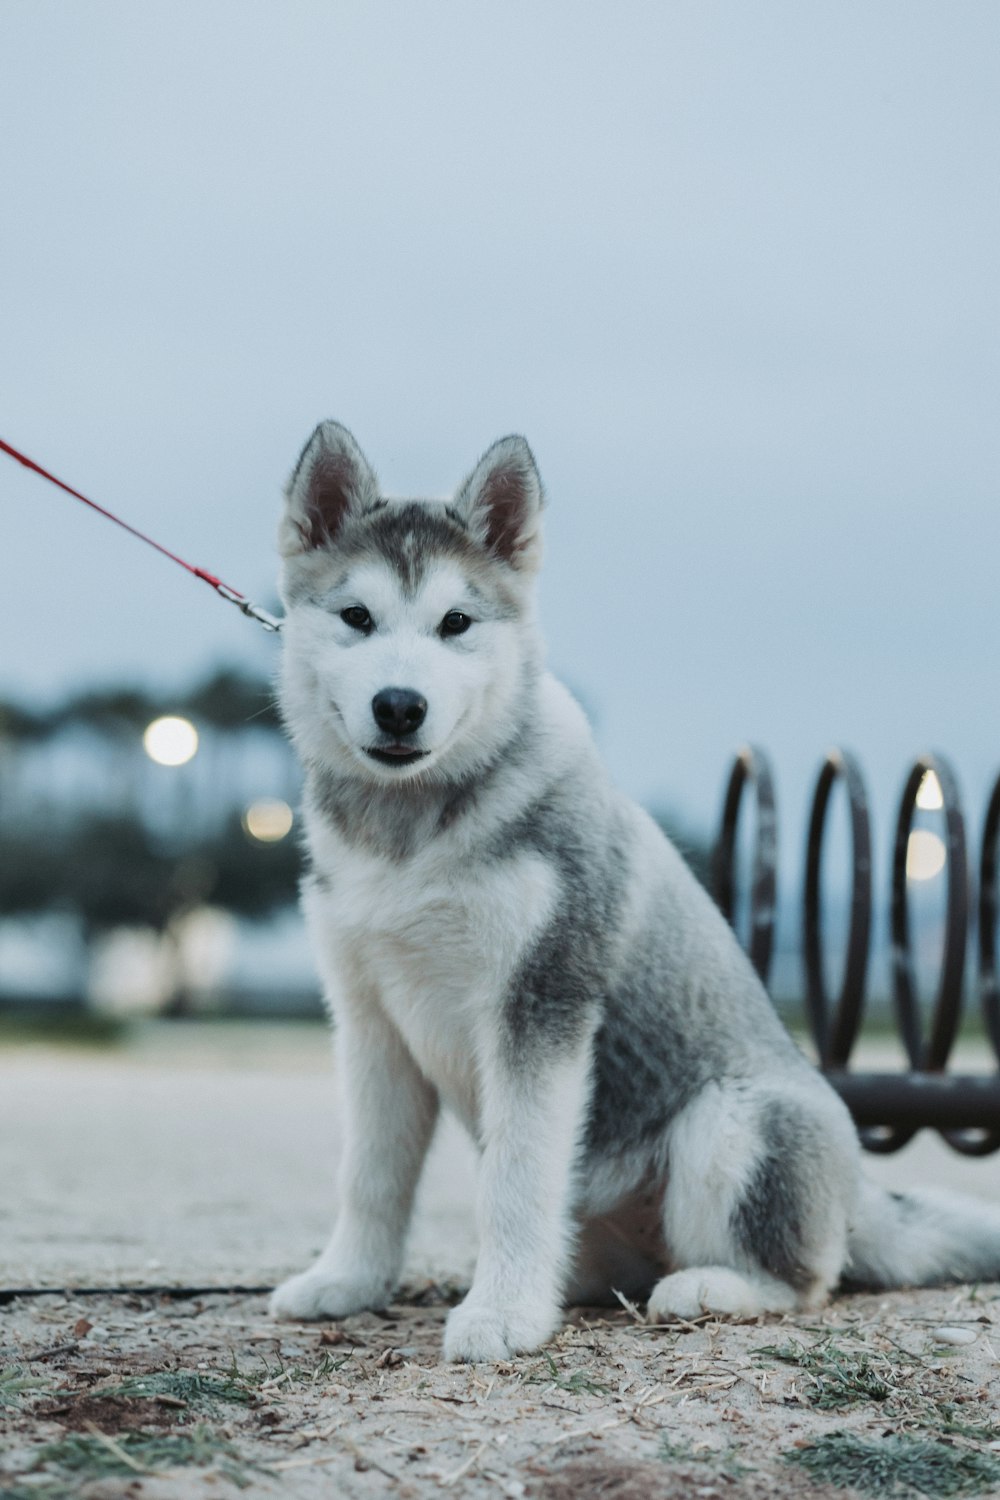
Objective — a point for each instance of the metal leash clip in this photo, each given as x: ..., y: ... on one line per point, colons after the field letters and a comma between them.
x: 252, y: 611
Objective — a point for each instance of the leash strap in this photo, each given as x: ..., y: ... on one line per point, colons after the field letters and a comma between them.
x: 231, y: 595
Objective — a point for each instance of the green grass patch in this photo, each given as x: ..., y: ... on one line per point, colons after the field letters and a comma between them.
x: 574, y: 1382
x: 46, y: 1489
x: 721, y: 1460
x: 93, y: 1456
x: 63, y: 1028
x: 837, y: 1378
x: 897, y: 1465
x: 953, y: 1420
x: 15, y: 1383
x: 194, y: 1387
x: 279, y: 1374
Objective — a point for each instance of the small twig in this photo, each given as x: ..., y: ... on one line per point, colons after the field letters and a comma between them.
x: 577, y: 1432
x: 305, y: 1463
x: 460, y: 1473
x: 118, y: 1450
x: 55, y: 1350
x: 629, y: 1307
x: 371, y: 1463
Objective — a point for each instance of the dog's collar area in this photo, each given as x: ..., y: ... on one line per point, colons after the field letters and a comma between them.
x: 395, y: 755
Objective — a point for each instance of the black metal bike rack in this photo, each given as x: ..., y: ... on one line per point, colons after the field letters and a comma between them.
x: 888, y: 1108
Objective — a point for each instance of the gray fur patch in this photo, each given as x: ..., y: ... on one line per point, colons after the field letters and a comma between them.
x: 413, y: 535
x: 398, y: 821
x: 770, y: 1221
x: 561, y: 981
x: 646, y: 1069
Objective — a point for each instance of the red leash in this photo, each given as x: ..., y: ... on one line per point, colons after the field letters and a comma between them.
x: 231, y: 595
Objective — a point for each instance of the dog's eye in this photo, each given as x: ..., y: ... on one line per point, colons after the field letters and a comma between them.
x: 455, y: 623
x: 357, y: 617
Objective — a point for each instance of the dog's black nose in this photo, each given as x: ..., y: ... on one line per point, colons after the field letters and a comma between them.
x: 399, y: 711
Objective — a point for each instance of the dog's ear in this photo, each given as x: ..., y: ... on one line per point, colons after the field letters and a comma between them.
x: 501, y: 503
x: 332, y: 480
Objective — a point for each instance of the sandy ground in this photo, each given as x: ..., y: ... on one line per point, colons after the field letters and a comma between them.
x: 205, y: 1157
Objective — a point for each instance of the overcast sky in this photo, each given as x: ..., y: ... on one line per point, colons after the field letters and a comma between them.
x: 731, y: 268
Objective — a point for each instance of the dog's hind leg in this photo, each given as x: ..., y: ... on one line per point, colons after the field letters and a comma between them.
x: 760, y: 1181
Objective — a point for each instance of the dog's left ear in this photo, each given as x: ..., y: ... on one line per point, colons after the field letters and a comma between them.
x: 501, y: 503
x: 332, y: 482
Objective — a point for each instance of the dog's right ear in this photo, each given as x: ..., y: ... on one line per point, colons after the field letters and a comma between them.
x: 332, y: 480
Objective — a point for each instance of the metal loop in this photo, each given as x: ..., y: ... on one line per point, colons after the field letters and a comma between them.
x: 751, y: 764
x: 834, y: 1037
x: 926, y: 1095
x: 989, y: 978
x: 983, y: 1142
x: 931, y: 1053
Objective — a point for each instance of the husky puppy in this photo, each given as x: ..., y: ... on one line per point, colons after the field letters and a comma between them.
x: 501, y: 933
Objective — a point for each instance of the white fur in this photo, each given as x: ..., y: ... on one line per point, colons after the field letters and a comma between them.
x: 530, y: 1130
x: 416, y: 963
x: 717, y: 1289
x: 740, y: 1177
x: 331, y: 671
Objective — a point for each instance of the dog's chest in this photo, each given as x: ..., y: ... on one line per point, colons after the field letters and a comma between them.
x: 438, y: 941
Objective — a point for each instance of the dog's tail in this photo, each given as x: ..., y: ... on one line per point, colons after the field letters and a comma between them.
x: 924, y: 1238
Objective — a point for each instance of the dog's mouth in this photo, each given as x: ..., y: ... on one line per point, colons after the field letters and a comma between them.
x: 395, y: 755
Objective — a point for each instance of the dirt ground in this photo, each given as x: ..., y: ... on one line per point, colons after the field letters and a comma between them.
x: 205, y: 1158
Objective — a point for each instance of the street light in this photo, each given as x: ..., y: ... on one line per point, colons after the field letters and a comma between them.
x: 925, y: 855
x: 268, y: 820
x: 170, y: 740
x: 929, y: 795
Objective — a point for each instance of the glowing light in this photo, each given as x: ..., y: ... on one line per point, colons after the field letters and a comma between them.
x: 929, y: 798
x: 170, y: 741
x: 925, y: 855
x: 268, y: 820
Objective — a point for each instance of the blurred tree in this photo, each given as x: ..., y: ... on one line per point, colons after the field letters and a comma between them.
x: 104, y: 862
x: 251, y: 878
x: 231, y: 699
x: 21, y: 726
x: 113, y: 872
x: 116, y: 712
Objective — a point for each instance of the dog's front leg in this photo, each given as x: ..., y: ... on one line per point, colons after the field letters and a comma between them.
x: 389, y: 1111
x: 532, y: 1112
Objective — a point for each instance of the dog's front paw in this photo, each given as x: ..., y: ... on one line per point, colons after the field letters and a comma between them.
x: 322, y: 1294
x: 476, y: 1332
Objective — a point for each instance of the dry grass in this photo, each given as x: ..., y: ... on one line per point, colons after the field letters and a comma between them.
x: 158, y: 1390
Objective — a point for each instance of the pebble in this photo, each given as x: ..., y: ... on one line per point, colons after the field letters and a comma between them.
x: 955, y: 1335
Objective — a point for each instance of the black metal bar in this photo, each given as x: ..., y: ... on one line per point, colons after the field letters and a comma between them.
x: 989, y: 982
x: 930, y: 1052
x: 945, y: 1101
x: 888, y: 1108
x: 834, y: 1037
x: 750, y: 765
